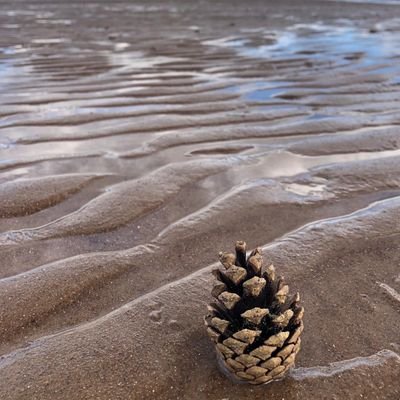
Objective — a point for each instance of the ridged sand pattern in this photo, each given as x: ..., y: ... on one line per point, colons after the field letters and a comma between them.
x: 254, y: 322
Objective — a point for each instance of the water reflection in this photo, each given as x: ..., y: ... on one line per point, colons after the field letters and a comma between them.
x: 280, y: 163
x: 320, y: 41
x: 263, y: 94
x: 342, y: 46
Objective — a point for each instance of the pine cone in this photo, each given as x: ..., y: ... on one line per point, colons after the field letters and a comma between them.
x: 254, y: 323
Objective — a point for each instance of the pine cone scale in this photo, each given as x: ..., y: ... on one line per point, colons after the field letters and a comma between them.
x: 261, y: 380
x: 235, y: 365
x: 256, y: 371
x: 271, y: 363
x: 278, y: 339
x: 235, y: 345
x: 225, y: 351
x: 245, y: 376
x: 255, y: 324
x: 263, y: 352
x: 247, y: 360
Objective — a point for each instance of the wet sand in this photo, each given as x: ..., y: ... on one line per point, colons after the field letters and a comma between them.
x: 138, y: 139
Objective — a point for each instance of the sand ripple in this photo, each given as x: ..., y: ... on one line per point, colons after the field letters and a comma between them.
x: 138, y: 140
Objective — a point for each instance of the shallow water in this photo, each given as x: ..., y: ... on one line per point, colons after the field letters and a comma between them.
x: 138, y: 140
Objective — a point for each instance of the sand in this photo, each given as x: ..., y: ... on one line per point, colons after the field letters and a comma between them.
x: 138, y: 139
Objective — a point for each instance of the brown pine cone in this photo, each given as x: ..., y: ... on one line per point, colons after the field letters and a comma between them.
x: 254, y: 323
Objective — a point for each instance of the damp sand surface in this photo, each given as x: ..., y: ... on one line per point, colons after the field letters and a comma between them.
x: 138, y: 139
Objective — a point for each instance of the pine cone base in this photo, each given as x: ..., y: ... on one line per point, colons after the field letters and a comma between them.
x: 254, y: 323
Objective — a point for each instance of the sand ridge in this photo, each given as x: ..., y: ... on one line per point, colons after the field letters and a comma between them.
x: 138, y: 139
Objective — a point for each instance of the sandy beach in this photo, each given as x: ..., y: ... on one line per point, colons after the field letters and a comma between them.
x: 140, y: 138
